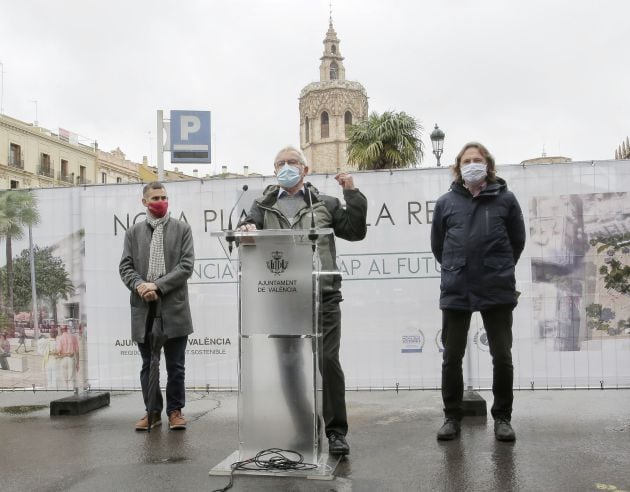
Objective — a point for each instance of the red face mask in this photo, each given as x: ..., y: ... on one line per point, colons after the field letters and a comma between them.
x: 158, y: 209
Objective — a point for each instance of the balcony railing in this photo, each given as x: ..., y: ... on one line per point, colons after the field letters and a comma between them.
x: 46, y: 171
x: 66, y: 178
x: 83, y: 181
x: 16, y: 162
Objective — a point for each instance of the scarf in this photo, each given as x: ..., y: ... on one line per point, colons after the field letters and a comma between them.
x: 157, y: 267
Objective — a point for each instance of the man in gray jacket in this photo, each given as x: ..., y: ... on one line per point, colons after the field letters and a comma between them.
x: 288, y: 206
x: 156, y: 263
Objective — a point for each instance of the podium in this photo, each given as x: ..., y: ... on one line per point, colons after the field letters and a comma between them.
x: 279, y: 342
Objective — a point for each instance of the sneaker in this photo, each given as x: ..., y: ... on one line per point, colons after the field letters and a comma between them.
x: 143, y: 423
x: 176, y: 420
x: 449, y: 430
x: 337, y: 444
x: 503, y: 430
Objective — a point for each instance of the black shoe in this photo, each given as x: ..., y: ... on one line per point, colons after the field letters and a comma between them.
x: 503, y: 430
x: 337, y: 444
x: 449, y: 430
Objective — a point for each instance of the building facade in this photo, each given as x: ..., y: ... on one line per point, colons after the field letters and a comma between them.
x: 34, y: 157
x: 114, y: 167
x: 327, y: 108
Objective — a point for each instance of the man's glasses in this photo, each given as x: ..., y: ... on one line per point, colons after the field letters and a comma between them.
x: 290, y: 162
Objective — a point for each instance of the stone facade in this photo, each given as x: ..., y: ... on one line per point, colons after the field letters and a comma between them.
x: 34, y: 157
x: 558, y: 159
x: 327, y: 107
x: 114, y: 167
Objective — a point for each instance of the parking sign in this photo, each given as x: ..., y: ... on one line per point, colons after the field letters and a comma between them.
x: 190, y: 136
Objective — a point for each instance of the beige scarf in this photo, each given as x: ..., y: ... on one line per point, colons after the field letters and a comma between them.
x: 157, y: 267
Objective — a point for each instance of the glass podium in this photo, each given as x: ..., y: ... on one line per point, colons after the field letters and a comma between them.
x: 279, y: 340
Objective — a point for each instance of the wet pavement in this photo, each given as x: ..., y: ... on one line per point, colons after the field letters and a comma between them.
x: 566, y: 441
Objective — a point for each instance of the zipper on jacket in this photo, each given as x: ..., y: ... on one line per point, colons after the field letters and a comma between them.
x: 278, y: 213
x: 297, y: 218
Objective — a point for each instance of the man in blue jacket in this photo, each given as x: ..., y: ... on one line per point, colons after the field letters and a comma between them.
x: 477, y: 235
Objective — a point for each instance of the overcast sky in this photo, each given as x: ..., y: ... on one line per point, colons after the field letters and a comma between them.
x: 519, y: 76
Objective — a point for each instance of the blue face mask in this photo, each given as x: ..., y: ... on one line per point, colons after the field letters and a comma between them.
x: 289, y: 176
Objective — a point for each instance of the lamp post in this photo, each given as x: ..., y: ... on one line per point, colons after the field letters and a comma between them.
x: 437, y: 141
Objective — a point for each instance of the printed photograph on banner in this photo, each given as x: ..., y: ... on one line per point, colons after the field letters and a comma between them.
x: 43, y: 326
x: 580, y: 248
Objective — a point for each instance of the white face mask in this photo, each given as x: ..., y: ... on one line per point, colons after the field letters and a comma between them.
x: 474, y: 173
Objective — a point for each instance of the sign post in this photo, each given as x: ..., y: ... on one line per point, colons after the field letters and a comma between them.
x: 160, y: 145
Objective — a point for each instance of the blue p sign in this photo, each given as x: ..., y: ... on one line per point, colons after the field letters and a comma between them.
x: 190, y: 136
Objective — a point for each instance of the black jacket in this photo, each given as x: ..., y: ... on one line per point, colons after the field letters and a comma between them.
x: 477, y: 241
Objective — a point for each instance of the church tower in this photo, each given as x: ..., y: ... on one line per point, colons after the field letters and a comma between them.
x: 327, y: 107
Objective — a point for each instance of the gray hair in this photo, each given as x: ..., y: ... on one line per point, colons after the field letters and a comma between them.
x: 290, y: 148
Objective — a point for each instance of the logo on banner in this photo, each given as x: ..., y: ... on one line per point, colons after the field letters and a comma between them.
x: 481, y: 340
x: 277, y: 264
x: 412, y: 344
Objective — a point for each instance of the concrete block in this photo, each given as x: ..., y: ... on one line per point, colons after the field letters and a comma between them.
x: 79, y: 404
x: 473, y: 404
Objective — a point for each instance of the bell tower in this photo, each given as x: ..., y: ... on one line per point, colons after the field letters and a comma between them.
x: 327, y: 108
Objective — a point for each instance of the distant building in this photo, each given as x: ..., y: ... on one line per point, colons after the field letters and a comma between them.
x: 327, y: 107
x: 114, y: 167
x: 545, y: 159
x: 623, y: 152
x: 34, y: 157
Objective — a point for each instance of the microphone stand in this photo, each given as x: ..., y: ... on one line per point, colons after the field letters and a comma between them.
x: 229, y: 233
x: 312, y: 233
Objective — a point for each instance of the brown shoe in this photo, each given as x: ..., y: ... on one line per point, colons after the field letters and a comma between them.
x: 176, y: 420
x: 143, y: 423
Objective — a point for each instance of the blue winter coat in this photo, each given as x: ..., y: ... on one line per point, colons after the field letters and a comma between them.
x: 477, y: 241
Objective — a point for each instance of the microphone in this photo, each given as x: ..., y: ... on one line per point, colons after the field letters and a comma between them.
x: 229, y: 233
x: 312, y: 235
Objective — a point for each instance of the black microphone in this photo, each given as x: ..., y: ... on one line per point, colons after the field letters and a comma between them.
x: 312, y: 234
x: 229, y: 233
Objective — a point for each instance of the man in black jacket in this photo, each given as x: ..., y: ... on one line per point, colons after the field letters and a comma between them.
x: 477, y: 235
x: 287, y: 206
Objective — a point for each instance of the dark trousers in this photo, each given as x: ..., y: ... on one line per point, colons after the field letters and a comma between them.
x: 175, y: 357
x: 498, y: 325
x: 333, y: 379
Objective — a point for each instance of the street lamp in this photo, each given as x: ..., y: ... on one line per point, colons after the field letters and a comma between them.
x: 437, y: 141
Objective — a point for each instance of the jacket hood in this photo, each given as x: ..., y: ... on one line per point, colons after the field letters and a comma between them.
x: 499, y: 186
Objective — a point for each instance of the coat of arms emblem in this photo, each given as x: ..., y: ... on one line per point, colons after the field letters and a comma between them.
x: 277, y: 264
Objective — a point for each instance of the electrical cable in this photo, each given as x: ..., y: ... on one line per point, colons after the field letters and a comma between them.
x: 270, y: 459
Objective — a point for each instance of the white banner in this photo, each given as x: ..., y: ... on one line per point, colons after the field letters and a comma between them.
x: 571, y: 327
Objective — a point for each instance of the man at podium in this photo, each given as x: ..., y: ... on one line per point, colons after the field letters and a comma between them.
x: 294, y: 204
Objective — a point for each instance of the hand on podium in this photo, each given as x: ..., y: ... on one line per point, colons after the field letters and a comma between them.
x: 247, y: 228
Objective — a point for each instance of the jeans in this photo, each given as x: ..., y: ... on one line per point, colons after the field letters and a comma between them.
x: 175, y: 357
x: 498, y: 325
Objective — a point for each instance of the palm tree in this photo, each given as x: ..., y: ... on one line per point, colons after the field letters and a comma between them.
x: 390, y: 140
x: 17, y: 209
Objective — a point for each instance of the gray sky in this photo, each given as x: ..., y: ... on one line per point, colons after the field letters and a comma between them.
x: 519, y: 76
